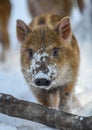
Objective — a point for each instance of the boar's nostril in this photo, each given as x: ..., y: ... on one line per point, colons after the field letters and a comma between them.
x: 46, y: 82
x: 42, y: 82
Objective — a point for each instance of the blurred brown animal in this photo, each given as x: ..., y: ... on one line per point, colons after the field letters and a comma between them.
x: 59, y: 7
x: 5, y: 9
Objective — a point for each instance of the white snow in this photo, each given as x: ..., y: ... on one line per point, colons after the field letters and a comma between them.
x: 6, y: 127
x: 12, y: 81
x: 81, y: 118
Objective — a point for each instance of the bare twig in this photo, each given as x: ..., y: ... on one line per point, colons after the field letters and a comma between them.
x: 38, y: 113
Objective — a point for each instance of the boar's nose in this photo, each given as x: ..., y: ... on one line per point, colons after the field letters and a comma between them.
x: 42, y: 82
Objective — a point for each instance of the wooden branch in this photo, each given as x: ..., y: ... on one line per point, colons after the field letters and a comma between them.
x: 41, y: 114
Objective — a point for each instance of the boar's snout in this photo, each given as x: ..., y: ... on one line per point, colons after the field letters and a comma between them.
x: 42, y: 82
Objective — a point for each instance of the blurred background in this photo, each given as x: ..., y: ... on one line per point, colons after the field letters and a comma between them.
x: 11, y: 79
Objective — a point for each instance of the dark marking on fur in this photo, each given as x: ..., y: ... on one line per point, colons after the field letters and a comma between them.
x: 41, y: 21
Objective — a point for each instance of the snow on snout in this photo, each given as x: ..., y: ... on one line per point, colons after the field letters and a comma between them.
x: 50, y: 75
x: 35, y: 64
x: 37, y: 56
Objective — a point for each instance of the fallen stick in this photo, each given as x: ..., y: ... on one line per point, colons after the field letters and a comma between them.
x: 38, y: 113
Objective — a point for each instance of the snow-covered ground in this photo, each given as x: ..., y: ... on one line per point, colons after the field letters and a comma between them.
x: 12, y: 80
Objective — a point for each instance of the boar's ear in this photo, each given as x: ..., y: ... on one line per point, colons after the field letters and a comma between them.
x: 64, y: 29
x: 22, y: 30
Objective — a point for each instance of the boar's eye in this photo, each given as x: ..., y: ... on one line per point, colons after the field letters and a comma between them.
x: 30, y: 53
x: 55, y: 52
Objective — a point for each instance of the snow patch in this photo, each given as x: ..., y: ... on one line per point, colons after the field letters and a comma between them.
x: 81, y: 118
x: 6, y: 127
